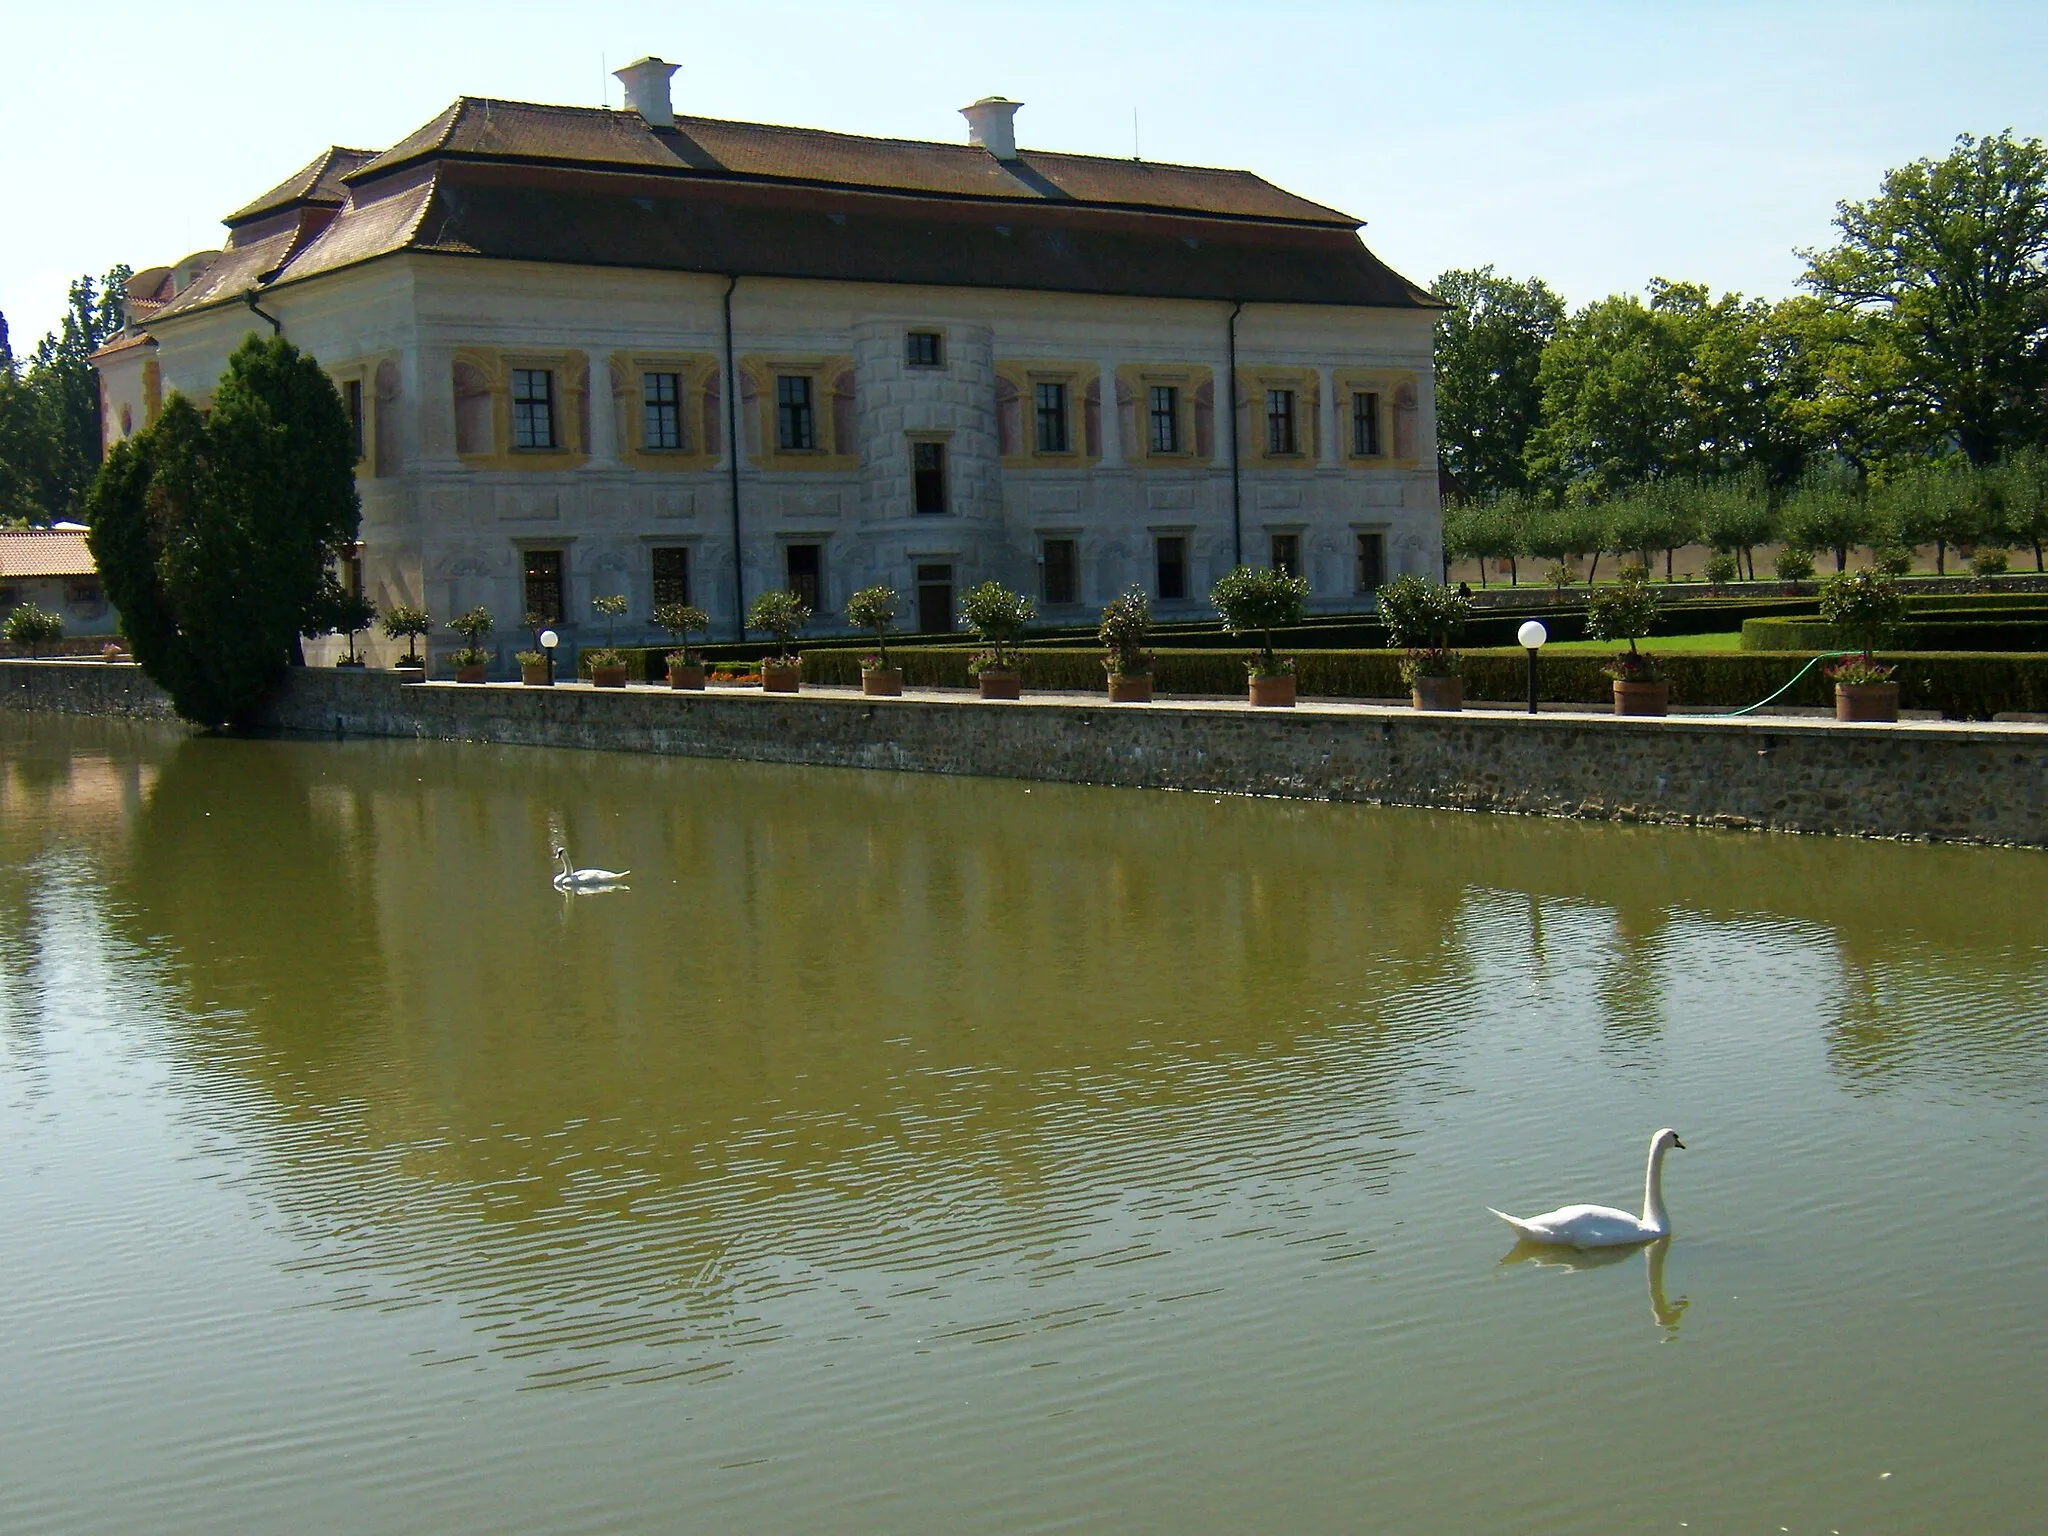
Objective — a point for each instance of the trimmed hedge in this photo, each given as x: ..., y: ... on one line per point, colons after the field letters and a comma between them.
x: 1971, y: 685
x: 2014, y: 630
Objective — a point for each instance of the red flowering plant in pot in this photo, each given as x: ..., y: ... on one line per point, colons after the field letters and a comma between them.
x: 1864, y: 607
x: 1629, y: 611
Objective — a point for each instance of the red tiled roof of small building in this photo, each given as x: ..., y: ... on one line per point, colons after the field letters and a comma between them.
x: 31, y: 552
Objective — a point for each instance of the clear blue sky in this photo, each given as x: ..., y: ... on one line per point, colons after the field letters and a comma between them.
x: 1595, y: 145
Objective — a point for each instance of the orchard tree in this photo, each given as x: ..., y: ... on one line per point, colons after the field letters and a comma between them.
x: 1951, y: 258
x: 213, y: 533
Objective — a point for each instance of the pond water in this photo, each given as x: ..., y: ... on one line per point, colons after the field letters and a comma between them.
x: 909, y: 1154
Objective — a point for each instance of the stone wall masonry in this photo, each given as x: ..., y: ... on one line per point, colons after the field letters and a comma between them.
x: 1934, y: 780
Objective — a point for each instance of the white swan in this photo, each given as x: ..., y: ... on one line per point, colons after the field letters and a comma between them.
x: 585, y: 879
x: 1602, y: 1226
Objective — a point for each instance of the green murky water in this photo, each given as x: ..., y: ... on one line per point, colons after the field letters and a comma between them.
x: 907, y: 1154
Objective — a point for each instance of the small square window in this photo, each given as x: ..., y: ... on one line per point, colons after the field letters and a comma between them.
x: 1165, y: 419
x: 1062, y: 573
x: 1279, y: 422
x: 928, y: 476
x: 924, y: 349
x: 1365, y: 425
x: 533, y: 408
x: 1287, y: 553
x: 661, y: 412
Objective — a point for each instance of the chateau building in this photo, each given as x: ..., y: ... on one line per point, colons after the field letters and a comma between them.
x: 590, y: 352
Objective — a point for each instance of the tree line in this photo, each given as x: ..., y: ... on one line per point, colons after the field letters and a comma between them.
x: 1899, y: 398
x: 50, y: 407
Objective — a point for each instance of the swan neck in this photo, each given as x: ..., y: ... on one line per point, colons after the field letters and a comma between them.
x: 1653, y: 1191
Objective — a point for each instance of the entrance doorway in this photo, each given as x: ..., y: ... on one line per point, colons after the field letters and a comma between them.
x: 934, y: 599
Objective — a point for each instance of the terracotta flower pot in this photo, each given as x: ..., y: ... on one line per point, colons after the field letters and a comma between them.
x: 411, y: 671
x: 777, y: 678
x: 1275, y: 692
x: 691, y: 678
x: 1867, y: 702
x: 469, y: 674
x: 1641, y: 698
x: 1130, y: 687
x: 1001, y: 685
x: 1443, y: 693
x: 608, y: 677
x: 536, y: 674
x: 882, y: 682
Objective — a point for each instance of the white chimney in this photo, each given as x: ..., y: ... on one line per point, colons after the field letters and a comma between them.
x: 646, y: 83
x: 990, y: 124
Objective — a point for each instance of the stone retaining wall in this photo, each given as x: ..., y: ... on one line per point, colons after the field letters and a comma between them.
x: 1937, y: 780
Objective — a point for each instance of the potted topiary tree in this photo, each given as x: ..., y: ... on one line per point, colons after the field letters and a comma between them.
x: 1793, y: 565
x: 685, y: 666
x: 1425, y: 618
x: 472, y: 659
x: 535, y: 668
x: 997, y: 616
x: 33, y: 627
x: 353, y: 613
x: 783, y: 615
x: 1257, y: 602
x: 608, y: 663
x: 874, y: 609
x: 1722, y: 568
x: 1864, y: 607
x: 1561, y: 579
x: 404, y: 622
x: 1126, y: 621
x: 1627, y: 611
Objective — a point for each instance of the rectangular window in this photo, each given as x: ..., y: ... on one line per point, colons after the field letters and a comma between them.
x: 806, y: 566
x: 10, y: 596
x: 671, y: 576
x: 923, y: 349
x: 1365, y: 425
x: 533, y: 408
x: 1372, y: 561
x: 352, y: 397
x: 82, y: 592
x: 1173, y: 568
x: 795, y: 425
x: 544, y: 586
x: 934, y: 599
x: 1287, y: 553
x: 1165, y: 419
x: 1279, y: 421
x: 1062, y: 573
x: 928, y: 476
x: 1052, y: 418
x: 351, y: 574
x: 661, y: 412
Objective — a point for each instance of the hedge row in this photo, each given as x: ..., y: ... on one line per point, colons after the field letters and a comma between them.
x: 1972, y: 685
x: 2025, y: 630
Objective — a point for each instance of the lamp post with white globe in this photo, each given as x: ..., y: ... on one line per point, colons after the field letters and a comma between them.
x: 549, y: 640
x: 1532, y: 635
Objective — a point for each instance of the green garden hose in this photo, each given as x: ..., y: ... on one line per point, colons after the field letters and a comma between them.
x: 1750, y: 709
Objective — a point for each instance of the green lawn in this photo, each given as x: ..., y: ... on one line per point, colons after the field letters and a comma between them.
x: 1729, y: 640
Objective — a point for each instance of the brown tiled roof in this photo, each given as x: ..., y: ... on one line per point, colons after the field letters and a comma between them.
x: 237, y: 270
x: 317, y: 182
x: 710, y: 147
x: 44, y: 552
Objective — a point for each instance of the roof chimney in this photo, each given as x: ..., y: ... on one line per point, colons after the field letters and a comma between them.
x: 990, y: 124
x: 646, y: 83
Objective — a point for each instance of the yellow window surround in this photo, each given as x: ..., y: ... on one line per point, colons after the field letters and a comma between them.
x: 832, y: 422
x: 1134, y: 385
x: 1023, y: 376
x: 1253, y: 384
x: 571, y: 399
x: 701, y: 406
x: 1393, y: 386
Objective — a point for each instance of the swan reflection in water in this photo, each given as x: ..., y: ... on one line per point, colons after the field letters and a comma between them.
x: 1665, y: 1312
